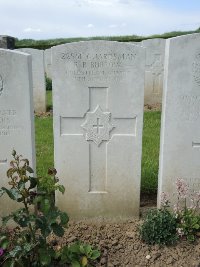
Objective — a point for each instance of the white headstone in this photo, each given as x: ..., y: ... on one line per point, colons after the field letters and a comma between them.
x: 98, y: 113
x: 180, y: 132
x: 48, y: 63
x: 39, y: 86
x: 16, y: 116
x: 155, y: 51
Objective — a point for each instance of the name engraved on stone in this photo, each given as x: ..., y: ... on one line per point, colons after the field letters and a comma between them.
x: 1, y: 85
x: 196, y: 68
x: 98, y: 67
x: 97, y: 126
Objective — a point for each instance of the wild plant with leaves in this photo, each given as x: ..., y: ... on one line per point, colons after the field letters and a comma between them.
x: 28, y: 245
x: 187, y: 210
x: 166, y: 225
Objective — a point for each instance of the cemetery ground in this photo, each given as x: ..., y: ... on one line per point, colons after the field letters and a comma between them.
x: 120, y: 243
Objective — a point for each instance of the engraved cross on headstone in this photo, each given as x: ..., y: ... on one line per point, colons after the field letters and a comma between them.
x: 98, y: 126
x: 156, y: 69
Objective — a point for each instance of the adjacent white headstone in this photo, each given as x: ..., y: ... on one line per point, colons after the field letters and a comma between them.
x: 98, y: 113
x: 180, y: 133
x: 48, y: 63
x: 16, y: 116
x: 155, y: 51
x: 39, y: 86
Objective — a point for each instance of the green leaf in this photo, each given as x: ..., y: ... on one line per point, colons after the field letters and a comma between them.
x: 29, y: 169
x: 64, y: 218
x: 14, y: 153
x: 12, y: 193
x: 37, y: 199
x: 57, y: 229
x: 45, y: 258
x: 196, y: 226
x: 2, y: 191
x: 75, y: 248
x: 61, y: 188
x: 9, y: 263
x: 33, y: 182
x: 45, y: 205
x: 88, y: 249
x: 4, y: 243
x: 21, y: 185
x: 95, y: 254
x: 75, y: 264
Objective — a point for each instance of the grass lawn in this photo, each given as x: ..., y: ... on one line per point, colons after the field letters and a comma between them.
x: 150, y: 151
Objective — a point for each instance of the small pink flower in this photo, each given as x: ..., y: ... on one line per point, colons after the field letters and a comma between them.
x: 177, y: 208
x: 182, y: 188
x: 164, y: 199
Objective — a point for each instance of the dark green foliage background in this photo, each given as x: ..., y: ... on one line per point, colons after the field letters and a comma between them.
x: 45, y: 44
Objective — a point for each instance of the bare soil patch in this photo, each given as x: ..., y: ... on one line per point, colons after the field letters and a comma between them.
x: 121, y: 246
x: 155, y: 107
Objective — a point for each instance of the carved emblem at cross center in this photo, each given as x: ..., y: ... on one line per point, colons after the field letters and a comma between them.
x: 97, y: 126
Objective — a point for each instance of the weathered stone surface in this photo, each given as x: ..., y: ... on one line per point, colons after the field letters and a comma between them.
x: 98, y: 112
x: 48, y: 63
x: 7, y: 42
x: 155, y: 51
x: 39, y: 87
x: 16, y: 116
x: 180, y: 131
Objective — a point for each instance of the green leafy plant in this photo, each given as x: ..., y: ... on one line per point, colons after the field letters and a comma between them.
x: 186, y: 211
x: 159, y: 227
x: 79, y: 255
x: 28, y: 245
x: 188, y: 224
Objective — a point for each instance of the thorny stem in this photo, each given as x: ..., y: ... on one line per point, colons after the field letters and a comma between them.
x: 25, y: 203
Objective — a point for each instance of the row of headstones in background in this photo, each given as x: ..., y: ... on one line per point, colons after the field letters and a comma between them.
x: 38, y: 71
x: 48, y: 63
x: 155, y: 49
x: 16, y: 116
x: 154, y: 68
x: 98, y: 110
x: 38, y: 77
